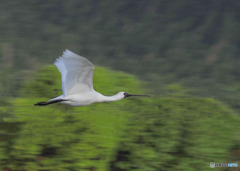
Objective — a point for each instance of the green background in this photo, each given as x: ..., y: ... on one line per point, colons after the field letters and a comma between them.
x: 185, y: 54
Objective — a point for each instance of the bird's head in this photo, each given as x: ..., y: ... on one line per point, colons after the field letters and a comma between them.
x: 124, y: 95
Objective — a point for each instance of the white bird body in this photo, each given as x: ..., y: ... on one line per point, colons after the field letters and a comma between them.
x: 77, y: 82
x: 87, y: 98
x: 81, y: 99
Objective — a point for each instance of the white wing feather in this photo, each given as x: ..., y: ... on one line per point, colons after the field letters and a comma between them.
x: 77, y: 73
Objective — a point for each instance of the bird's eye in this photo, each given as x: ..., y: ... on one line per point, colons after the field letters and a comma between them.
x: 124, y: 94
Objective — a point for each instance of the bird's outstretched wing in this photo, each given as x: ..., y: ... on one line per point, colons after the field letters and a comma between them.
x: 76, y: 71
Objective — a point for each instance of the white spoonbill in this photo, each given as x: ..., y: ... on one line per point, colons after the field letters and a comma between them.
x: 77, y: 83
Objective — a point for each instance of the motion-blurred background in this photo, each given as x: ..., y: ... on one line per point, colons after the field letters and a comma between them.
x: 185, y: 54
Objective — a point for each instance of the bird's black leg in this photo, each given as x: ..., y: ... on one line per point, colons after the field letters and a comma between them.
x: 41, y: 104
x: 47, y: 103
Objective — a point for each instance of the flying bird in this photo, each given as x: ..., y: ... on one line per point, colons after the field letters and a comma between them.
x: 77, y: 83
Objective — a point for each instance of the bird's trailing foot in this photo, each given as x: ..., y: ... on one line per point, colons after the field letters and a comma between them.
x: 41, y: 104
x: 50, y: 102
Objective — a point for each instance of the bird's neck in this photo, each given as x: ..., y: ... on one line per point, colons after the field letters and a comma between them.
x: 102, y: 98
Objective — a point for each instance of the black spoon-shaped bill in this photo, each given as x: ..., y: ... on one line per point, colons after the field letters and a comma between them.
x: 129, y: 95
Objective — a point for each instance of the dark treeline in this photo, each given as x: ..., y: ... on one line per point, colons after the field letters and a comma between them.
x: 194, y: 43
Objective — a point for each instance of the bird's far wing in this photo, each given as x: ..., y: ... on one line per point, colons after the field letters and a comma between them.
x: 78, y: 74
x: 61, y: 67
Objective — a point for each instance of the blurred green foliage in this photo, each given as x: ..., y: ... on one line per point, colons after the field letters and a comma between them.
x: 177, y: 134
x: 130, y: 134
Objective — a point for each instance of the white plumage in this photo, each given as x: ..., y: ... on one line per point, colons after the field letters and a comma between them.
x: 77, y: 82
